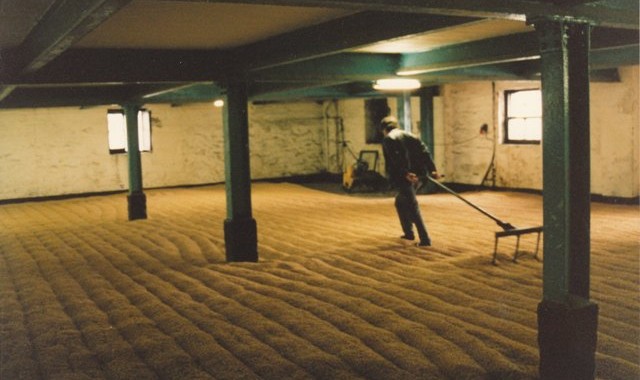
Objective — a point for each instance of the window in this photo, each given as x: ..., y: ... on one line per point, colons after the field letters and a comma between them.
x: 117, y: 127
x: 374, y: 111
x: 523, y: 117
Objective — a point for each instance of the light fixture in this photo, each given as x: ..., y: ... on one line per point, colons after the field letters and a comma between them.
x: 218, y: 103
x: 396, y: 84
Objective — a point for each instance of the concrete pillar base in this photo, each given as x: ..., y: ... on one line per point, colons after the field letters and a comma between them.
x: 567, y: 338
x: 241, y: 239
x: 137, y: 206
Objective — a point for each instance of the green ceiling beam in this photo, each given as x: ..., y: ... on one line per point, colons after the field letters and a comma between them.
x: 65, y: 97
x: 190, y: 93
x: 608, y: 37
x: 303, y: 93
x: 516, y: 47
x: 6, y: 91
x: 66, y: 22
x: 607, y: 13
x: 339, y: 35
x: 614, y: 57
x: 335, y: 68
x: 257, y: 89
x: 342, y: 91
x: 98, y: 66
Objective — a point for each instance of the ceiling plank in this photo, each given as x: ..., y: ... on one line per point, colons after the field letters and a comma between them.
x: 599, y: 13
x: 339, y: 35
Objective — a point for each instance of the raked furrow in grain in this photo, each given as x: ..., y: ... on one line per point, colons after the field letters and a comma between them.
x: 160, y: 304
x: 332, y: 305
x: 336, y: 294
x: 121, y: 301
x: 17, y: 357
x: 422, y: 292
x: 60, y: 352
x: 269, y: 363
x: 92, y: 322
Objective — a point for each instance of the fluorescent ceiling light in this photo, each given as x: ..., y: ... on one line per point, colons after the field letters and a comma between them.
x: 396, y: 84
x: 218, y: 103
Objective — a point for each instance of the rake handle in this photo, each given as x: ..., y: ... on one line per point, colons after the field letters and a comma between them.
x: 504, y: 225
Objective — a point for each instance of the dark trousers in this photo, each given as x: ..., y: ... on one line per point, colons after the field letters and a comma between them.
x: 409, y: 212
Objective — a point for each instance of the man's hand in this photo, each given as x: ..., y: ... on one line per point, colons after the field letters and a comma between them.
x: 412, y: 178
x: 436, y: 175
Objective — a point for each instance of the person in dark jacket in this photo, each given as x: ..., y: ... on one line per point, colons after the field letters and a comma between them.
x: 407, y: 159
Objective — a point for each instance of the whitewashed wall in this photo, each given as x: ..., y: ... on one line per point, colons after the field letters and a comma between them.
x: 286, y: 139
x: 615, y: 137
x: 56, y: 151
x: 353, y: 113
x: 466, y: 108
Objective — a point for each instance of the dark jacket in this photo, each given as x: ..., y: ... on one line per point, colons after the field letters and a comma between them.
x: 404, y: 153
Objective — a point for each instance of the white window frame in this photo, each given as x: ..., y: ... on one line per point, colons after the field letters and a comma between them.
x: 526, y: 118
x: 117, y: 131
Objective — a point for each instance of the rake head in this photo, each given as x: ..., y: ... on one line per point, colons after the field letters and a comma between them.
x: 505, y: 225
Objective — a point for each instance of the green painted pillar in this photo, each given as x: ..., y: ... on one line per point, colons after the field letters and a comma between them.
x: 427, y: 126
x: 404, y: 111
x: 426, y: 116
x: 136, y: 199
x: 240, y: 229
x: 567, y: 320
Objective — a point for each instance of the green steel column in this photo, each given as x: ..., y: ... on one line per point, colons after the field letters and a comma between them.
x: 427, y: 125
x: 404, y: 111
x: 567, y: 320
x: 137, y: 201
x: 240, y: 229
x: 400, y: 110
x: 426, y: 116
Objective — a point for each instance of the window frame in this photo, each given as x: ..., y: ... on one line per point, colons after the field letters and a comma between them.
x: 506, y: 118
x: 141, y: 132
